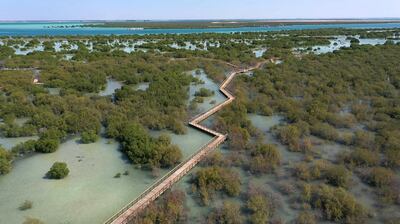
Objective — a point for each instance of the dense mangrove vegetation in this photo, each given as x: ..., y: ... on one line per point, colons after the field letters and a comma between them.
x: 348, y: 98
x: 333, y: 156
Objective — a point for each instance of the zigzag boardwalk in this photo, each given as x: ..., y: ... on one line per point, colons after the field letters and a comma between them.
x: 153, y: 192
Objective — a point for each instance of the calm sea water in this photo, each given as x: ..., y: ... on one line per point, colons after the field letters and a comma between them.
x: 40, y: 29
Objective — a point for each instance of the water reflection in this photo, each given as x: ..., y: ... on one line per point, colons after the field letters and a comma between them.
x: 209, y: 102
x: 9, y: 143
x: 111, y: 87
x: 259, y: 52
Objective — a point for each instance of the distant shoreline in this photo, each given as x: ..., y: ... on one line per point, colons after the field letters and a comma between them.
x: 205, y: 20
x: 184, y: 27
x: 331, y: 20
x: 200, y: 24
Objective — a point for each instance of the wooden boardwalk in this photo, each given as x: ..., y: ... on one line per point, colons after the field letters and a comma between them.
x: 152, y: 193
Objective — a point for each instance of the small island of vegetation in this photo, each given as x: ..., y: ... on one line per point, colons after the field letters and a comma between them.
x: 58, y: 170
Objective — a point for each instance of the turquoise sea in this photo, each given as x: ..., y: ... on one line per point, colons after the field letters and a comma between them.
x: 54, y: 29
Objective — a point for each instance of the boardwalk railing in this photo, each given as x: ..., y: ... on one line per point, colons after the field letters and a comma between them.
x: 166, y: 176
x: 160, y: 186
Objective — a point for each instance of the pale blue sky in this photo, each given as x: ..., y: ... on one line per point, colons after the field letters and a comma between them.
x: 195, y: 9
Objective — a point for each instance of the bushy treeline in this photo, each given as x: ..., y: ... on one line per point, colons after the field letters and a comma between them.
x: 162, y: 105
x: 314, y: 92
x: 78, y: 111
x: 208, y: 180
x: 349, y: 97
x: 5, y: 161
x: 143, y: 149
x: 170, y: 209
x: 336, y: 203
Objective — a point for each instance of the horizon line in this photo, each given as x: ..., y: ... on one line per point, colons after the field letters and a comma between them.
x: 211, y: 19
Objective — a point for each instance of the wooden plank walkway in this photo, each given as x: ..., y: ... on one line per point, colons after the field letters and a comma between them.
x: 159, y: 187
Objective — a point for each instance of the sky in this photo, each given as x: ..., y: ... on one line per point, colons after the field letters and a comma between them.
x: 195, y: 9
